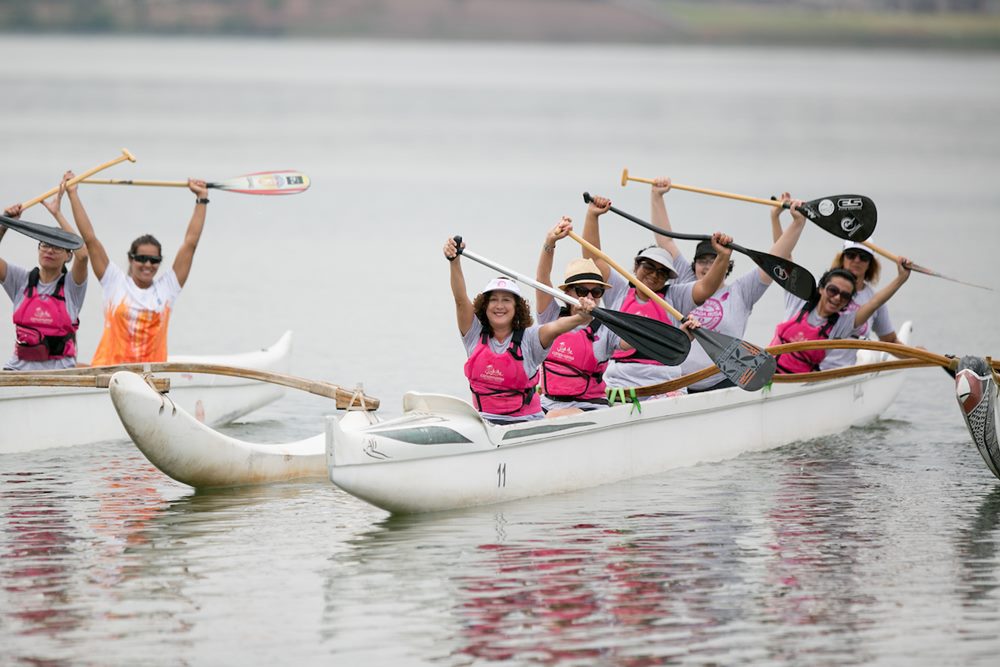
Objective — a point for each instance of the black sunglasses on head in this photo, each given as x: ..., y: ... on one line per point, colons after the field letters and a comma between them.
x: 144, y: 259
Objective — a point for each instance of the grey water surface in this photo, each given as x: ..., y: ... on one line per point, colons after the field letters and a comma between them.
x: 876, y: 546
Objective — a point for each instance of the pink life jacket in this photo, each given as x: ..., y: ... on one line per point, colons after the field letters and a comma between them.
x: 798, y: 329
x: 571, y: 371
x: 498, y: 382
x: 649, y: 309
x: 43, y: 326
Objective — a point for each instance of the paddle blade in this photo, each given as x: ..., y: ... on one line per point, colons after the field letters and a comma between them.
x: 786, y: 273
x: 51, y: 235
x: 266, y: 183
x: 748, y: 366
x: 851, y: 217
x: 652, y: 338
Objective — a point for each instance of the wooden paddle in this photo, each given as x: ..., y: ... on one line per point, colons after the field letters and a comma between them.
x: 126, y: 155
x: 920, y: 269
x: 260, y: 183
x: 656, y: 340
x: 850, y: 217
x: 792, y: 277
x: 746, y: 365
x: 344, y: 397
x: 45, y: 233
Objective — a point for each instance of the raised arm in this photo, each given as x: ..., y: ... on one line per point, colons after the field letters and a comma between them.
x: 776, y: 230
x: 464, y: 312
x: 543, y: 273
x: 54, y: 206
x: 660, y: 187
x: 547, y: 333
x: 862, y: 314
x: 182, y: 264
x: 12, y: 211
x: 713, y: 280
x: 98, y: 255
x: 788, y: 239
x: 597, y: 207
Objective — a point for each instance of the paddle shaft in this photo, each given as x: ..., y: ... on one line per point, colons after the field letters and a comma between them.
x: 916, y: 267
x: 126, y: 155
x: 127, y: 181
x: 706, y: 191
x: 551, y: 291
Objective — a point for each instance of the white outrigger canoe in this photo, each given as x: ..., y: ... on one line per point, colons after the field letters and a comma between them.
x: 440, y: 454
x: 40, y: 417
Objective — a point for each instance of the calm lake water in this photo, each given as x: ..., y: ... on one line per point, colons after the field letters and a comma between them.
x: 878, y: 546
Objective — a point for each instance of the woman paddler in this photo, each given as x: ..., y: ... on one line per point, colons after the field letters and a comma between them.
x: 653, y: 267
x: 504, y: 348
x: 864, y: 266
x: 47, y: 299
x: 138, y: 303
x: 573, y: 371
x: 826, y: 317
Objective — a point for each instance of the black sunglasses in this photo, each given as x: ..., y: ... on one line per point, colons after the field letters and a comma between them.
x: 857, y: 254
x: 143, y: 259
x: 654, y: 268
x: 596, y: 292
x: 834, y: 293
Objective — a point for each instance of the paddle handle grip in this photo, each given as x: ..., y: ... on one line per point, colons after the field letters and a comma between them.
x: 126, y: 155
x: 704, y: 191
x: 639, y: 285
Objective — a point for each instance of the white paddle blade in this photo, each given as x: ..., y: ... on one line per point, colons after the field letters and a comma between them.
x: 266, y: 183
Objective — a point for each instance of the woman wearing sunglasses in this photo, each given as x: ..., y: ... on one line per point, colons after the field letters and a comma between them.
x: 47, y: 299
x: 653, y: 267
x: 504, y: 347
x: 826, y: 317
x: 138, y: 302
x: 573, y: 372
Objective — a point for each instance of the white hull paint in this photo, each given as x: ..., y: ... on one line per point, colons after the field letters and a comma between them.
x: 392, y: 466
x: 40, y: 417
x: 192, y: 453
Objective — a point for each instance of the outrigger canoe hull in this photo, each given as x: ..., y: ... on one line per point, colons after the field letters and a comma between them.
x: 40, y: 417
x: 441, y: 455
x: 977, y: 394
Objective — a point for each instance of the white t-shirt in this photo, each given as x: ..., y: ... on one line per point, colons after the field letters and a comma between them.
x: 726, y: 311
x: 136, y: 319
x: 879, y: 323
x: 605, y: 344
x: 14, y: 285
x: 636, y: 374
x: 532, y: 352
x: 842, y: 329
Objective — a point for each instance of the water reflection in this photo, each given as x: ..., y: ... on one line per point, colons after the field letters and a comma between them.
x: 976, y: 547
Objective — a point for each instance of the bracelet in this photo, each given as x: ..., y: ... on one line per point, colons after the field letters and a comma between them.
x: 548, y: 248
x: 451, y: 259
x: 201, y: 200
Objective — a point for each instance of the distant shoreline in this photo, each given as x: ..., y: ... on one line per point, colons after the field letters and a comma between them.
x: 648, y: 22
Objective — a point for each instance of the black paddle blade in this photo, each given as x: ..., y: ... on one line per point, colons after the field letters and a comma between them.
x: 51, y: 235
x: 851, y: 217
x: 786, y: 273
x: 652, y: 338
x: 748, y: 366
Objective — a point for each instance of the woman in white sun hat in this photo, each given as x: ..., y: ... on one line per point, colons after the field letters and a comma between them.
x: 573, y: 372
x: 505, y: 348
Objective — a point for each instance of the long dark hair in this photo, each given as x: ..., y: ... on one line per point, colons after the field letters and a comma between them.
x: 522, y: 312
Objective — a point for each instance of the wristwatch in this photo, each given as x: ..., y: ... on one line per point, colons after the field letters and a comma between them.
x: 201, y: 200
